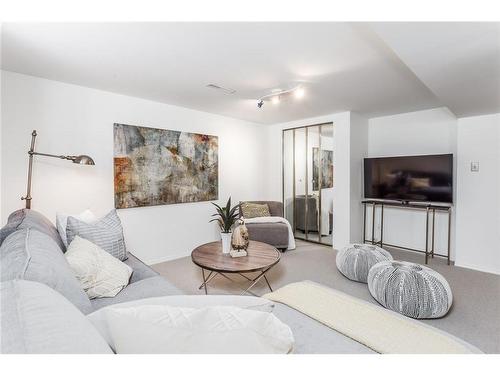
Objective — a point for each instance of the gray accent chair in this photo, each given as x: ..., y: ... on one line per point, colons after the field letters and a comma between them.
x: 274, y: 234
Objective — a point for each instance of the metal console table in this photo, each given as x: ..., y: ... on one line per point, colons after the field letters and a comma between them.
x: 430, y: 211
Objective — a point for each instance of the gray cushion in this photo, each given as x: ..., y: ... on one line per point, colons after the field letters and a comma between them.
x: 410, y: 289
x: 141, y: 271
x: 355, y: 260
x: 35, y: 319
x: 107, y: 233
x: 25, y: 218
x: 151, y: 287
x: 274, y: 234
x: 31, y: 255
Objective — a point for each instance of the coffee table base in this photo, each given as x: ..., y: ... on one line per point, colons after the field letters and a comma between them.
x: 213, y: 274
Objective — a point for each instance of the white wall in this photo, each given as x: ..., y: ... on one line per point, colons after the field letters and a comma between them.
x: 415, y: 133
x: 478, y: 193
x: 343, y: 226
x: 358, y: 151
x: 72, y: 119
x: 1, y: 132
x: 1, y: 126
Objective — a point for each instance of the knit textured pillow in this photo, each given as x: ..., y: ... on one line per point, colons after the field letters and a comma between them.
x: 251, y: 210
x: 107, y: 233
x: 100, y: 274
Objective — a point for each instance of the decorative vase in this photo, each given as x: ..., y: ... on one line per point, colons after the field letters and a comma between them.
x: 226, y: 242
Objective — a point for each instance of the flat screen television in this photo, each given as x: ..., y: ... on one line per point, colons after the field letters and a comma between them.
x: 423, y: 178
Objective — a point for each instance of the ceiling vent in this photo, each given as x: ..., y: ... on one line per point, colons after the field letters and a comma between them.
x: 223, y: 89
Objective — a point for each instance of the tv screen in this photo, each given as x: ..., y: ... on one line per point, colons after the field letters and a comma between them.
x: 425, y: 178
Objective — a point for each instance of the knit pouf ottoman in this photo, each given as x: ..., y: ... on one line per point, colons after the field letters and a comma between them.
x: 410, y: 289
x: 355, y: 260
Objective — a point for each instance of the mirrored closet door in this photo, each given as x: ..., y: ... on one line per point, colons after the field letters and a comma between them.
x: 308, y: 177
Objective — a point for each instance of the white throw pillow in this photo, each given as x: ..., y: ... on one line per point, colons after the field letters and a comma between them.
x: 98, y: 318
x: 212, y: 330
x: 62, y: 221
x: 100, y: 274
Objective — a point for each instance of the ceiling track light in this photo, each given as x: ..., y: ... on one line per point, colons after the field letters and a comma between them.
x: 298, y: 92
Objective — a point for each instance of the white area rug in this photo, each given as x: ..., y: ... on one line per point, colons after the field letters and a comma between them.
x: 381, y: 330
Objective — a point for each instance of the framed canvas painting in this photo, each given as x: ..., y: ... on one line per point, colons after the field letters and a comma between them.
x: 159, y: 166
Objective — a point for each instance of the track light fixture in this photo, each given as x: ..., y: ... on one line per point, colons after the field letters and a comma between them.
x: 298, y: 92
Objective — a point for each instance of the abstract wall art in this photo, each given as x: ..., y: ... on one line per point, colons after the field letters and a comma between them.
x: 158, y: 166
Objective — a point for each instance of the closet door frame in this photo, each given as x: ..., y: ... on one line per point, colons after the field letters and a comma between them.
x: 320, y: 163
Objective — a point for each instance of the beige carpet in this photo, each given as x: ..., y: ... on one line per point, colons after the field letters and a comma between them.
x: 474, y: 316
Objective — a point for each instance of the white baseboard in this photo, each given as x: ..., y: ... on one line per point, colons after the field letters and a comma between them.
x: 167, y: 258
x: 477, y: 268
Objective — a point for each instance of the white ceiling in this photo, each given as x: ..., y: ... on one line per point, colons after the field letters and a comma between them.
x: 459, y: 62
x: 343, y: 66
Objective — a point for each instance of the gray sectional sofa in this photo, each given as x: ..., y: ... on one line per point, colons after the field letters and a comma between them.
x: 32, y: 249
x: 44, y: 309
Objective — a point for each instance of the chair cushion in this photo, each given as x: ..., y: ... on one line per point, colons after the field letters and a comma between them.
x: 107, y: 233
x: 274, y: 234
x: 99, y: 273
x: 141, y: 271
x: 32, y: 255
x: 25, y: 218
x: 35, y: 319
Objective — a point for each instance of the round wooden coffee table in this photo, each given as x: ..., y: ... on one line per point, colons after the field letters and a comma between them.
x: 261, y: 258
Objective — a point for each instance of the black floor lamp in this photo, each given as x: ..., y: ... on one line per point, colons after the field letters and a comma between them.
x: 79, y: 159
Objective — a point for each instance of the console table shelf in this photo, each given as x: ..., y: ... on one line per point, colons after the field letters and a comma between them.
x: 430, y: 210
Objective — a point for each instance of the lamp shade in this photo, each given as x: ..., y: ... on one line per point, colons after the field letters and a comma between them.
x: 83, y: 160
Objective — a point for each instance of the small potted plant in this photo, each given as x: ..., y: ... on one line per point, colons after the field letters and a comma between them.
x: 226, y: 217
